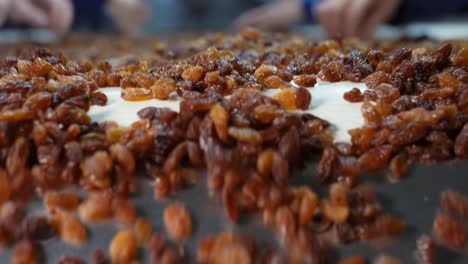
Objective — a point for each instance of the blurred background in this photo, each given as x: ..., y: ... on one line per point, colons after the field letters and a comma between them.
x: 196, y: 15
x: 41, y: 20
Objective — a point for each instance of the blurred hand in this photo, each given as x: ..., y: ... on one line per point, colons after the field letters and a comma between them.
x: 4, y: 9
x: 129, y: 15
x: 355, y: 18
x: 278, y: 15
x: 56, y: 15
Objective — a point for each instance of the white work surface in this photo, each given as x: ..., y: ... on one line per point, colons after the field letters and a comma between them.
x: 327, y: 103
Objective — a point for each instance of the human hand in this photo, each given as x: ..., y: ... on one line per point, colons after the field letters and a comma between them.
x: 56, y: 15
x: 354, y: 18
x: 4, y: 9
x: 128, y: 15
x: 278, y: 15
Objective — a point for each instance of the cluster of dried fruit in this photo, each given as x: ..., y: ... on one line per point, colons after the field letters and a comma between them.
x: 416, y: 109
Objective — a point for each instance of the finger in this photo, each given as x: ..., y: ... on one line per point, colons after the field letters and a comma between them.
x: 330, y: 15
x: 60, y: 13
x: 252, y: 18
x: 128, y: 15
x: 4, y: 9
x: 355, y: 16
x: 25, y: 12
x: 380, y: 14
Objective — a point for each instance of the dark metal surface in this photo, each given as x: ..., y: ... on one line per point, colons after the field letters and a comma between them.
x: 416, y: 199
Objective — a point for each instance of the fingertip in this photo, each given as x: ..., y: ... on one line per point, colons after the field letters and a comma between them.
x: 62, y: 16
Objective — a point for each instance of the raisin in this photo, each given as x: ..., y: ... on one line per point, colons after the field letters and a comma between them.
x: 454, y: 204
x: 353, y: 96
x: 303, y: 98
x: 353, y: 260
x: 143, y: 231
x: 334, y: 212
x: 162, y: 88
x: 272, y: 82
x: 264, y: 71
x: 449, y: 232
x: 5, y: 187
x: 265, y: 162
x: 375, y: 159
x: 24, y: 252
x: 387, y: 93
x: 461, y: 59
x: 220, y: 118
x: 307, y: 207
x: 70, y: 260
x: 193, y: 74
x: 229, y: 249
x: 61, y: 200
x: 123, y: 247
x: 97, y: 207
x: 461, y: 143
x: 280, y: 169
x: 375, y: 79
x: 136, y: 94
x: 305, y: 80
x: 328, y: 165
x: 177, y: 221
x: 247, y: 135
x: 70, y: 230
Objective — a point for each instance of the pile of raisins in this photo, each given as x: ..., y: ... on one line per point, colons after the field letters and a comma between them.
x: 244, y: 145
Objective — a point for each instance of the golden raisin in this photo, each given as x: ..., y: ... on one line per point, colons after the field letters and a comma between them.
x: 338, y: 194
x: 162, y: 88
x: 287, y: 98
x: 265, y: 71
x: 143, y: 231
x: 308, y: 204
x: 205, y: 247
x: 272, y: 82
x: 336, y: 213
x: 266, y: 113
x: 61, y: 200
x: 382, y: 259
x: 193, y: 74
x: 229, y: 249
x: 177, y: 221
x: 136, y: 94
x: 305, y: 80
x: 220, y: 118
x: 24, y: 252
x: 461, y: 59
x: 247, y: 135
x: 71, y: 231
x: 124, y: 211
x: 96, y: 207
x: 265, y: 162
x: 123, y: 248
